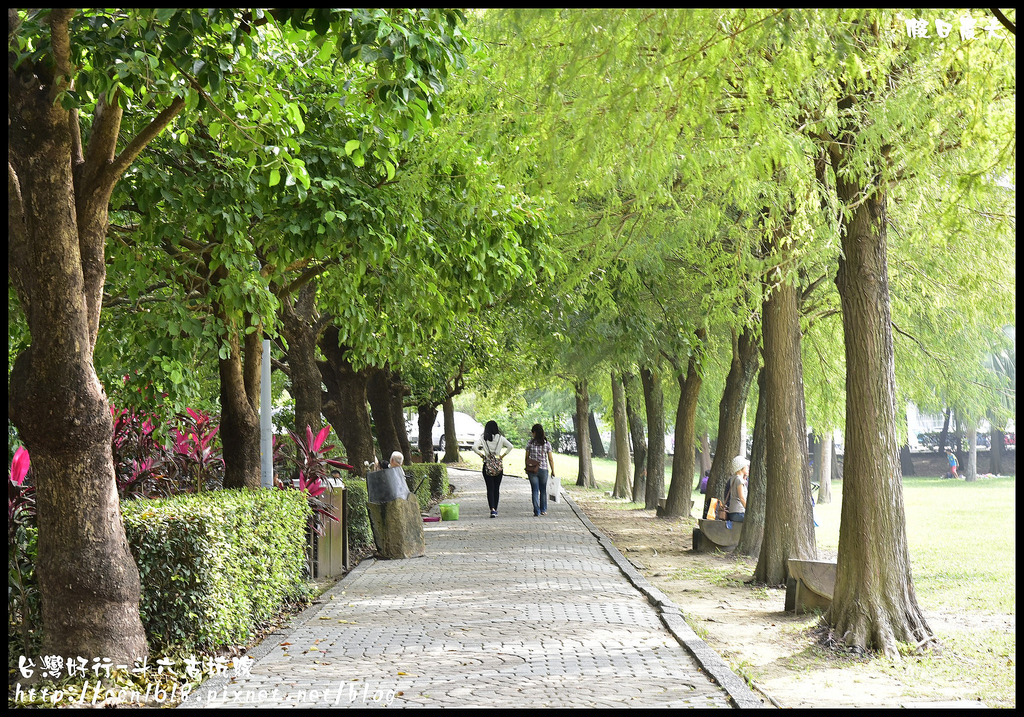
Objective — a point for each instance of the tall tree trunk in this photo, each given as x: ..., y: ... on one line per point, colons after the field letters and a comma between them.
x: 301, y: 331
x: 813, y: 450
x: 837, y: 465
x: 906, y: 461
x: 399, y: 391
x: 239, y: 405
x: 586, y: 468
x: 596, y: 442
x: 344, y: 401
x: 753, y: 521
x: 971, y: 474
x: 654, y: 400
x: 680, y: 492
x: 825, y: 478
x: 58, y: 202
x: 426, y: 415
x: 623, y: 486
x: 997, y: 450
x: 705, y: 453
x: 944, y: 434
x: 637, y: 436
x: 874, y: 605
x: 729, y: 443
x: 906, y: 458
x: 451, y: 441
x: 378, y: 393
x: 789, y: 521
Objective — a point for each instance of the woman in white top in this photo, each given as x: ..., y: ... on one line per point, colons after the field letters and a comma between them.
x: 736, y: 492
x: 489, y: 446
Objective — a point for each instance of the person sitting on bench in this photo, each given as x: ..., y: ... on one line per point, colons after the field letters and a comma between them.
x: 736, y: 492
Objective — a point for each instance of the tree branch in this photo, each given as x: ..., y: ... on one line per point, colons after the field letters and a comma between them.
x: 77, y: 155
x: 91, y: 175
x: 60, y: 41
x: 143, y: 138
x: 1002, y: 18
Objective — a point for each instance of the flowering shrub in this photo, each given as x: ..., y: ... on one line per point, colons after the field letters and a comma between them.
x: 198, y: 463
x: 313, y: 470
x: 138, y: 458
x: 22, y: 591
x: 145, y: 468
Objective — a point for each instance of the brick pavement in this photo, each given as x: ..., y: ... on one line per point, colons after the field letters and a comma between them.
x: 516, y: 611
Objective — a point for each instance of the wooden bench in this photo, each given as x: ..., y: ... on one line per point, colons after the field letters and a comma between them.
x: 715, y: 535
x: 810, y: 585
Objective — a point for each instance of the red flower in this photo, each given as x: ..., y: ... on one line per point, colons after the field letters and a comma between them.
x: 19, y: 466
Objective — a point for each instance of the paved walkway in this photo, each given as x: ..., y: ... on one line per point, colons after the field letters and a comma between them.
x: 515, y: 611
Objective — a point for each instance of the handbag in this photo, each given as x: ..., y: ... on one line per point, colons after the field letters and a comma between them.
x: 493, y: 466
x: 532, y: 465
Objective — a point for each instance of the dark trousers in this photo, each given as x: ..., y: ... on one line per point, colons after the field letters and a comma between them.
x: 493, y: 487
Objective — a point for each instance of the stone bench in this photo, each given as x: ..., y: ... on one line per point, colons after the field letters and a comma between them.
x: 810, y: 585
x: 715, y: 535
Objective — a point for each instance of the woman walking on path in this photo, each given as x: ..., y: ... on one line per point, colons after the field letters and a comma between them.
x: 492, y: 447
x: 540, y: 464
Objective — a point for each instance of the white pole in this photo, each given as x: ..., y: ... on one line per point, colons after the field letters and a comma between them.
x: 266, y: 427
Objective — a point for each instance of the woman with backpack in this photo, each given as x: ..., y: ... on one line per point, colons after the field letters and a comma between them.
x: 492, y: 446
x: 736, y: 490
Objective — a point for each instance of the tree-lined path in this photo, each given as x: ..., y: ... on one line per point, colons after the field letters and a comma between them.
x: 724, y: 222
x: 517, y: 611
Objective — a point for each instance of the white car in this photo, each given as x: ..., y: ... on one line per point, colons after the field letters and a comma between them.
x: 467, y: 429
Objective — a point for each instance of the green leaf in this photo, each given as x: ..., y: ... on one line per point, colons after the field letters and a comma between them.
x: 351, y: 146
x: 275, y: 177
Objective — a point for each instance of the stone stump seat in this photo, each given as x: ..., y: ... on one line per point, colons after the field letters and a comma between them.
x: 811, y: 585
x: 716, y: 535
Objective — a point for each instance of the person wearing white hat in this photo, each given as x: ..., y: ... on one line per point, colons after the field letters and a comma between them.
x: 736, y: 491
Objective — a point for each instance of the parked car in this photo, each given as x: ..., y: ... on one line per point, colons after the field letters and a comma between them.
x: 467, y: 429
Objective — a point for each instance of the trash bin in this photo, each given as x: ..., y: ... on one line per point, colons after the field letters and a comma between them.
x: 449, y: 511
x: 332, y: 546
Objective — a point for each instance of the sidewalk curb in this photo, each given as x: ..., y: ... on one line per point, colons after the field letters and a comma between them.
x: 672, y: 617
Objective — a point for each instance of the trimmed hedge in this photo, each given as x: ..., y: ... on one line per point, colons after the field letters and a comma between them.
x: 360, y: 534
x: 214, y: 565
x: 432, y: 479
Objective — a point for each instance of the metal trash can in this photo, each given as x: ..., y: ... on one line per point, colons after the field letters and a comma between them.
x: 332, y: 546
